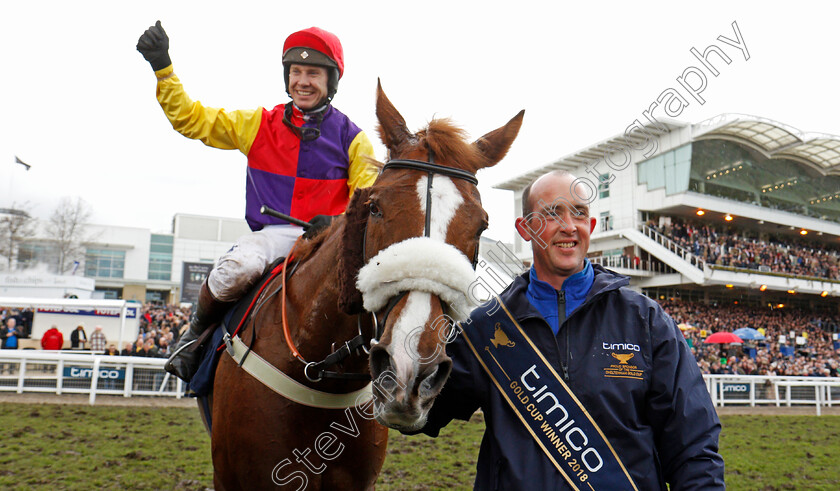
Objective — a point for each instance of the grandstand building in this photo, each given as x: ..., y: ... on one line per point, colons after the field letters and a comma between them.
x: 132, y: 263
x: 733, y: 209
x: 129, y: 263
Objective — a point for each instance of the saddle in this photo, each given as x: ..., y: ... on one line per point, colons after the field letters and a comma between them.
x: 212, y: 340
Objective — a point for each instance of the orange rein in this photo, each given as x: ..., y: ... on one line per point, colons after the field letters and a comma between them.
x: 286, y: 332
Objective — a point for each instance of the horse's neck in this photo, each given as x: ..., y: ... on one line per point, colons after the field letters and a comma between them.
x: 314, y: 292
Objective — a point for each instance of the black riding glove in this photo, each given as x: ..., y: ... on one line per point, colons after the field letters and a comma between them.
x: 154, y: 46
x: 318, y: 223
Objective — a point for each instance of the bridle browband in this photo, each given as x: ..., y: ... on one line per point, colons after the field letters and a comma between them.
x: 431, y: 168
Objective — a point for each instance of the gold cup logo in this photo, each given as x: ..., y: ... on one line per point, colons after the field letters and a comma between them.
x: 500, y: 338
x: 623, y: 358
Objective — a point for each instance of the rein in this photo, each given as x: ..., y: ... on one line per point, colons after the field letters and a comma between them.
x: 333, y: 358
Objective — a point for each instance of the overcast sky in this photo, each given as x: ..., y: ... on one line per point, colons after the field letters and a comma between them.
x: 79, y: 101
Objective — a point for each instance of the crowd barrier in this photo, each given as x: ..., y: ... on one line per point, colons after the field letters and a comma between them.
x: 63, y: 372
x: 78, y: 372
x: 763, y: 390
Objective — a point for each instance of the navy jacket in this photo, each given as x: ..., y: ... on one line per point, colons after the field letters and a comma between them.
x: 663, y: 427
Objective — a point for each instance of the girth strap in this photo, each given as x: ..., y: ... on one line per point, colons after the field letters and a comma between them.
x: 285, y: 385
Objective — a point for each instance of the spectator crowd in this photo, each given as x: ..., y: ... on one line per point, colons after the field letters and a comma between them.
x: 160, y: 328
x: 737, y: 249
x: 817, y: 357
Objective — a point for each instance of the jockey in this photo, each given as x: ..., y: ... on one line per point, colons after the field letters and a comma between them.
x: 305, y: 159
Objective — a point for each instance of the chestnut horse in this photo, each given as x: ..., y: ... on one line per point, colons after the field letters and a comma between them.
x: 392, y: 272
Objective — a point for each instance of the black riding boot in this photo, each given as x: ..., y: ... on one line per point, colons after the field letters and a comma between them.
x: 186, y: 357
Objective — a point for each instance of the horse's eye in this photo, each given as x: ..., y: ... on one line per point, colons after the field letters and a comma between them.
x: 374, y: 210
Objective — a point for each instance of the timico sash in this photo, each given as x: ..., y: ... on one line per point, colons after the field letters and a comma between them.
x: 551, y: 413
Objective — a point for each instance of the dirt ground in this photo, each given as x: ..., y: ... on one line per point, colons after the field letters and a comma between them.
x: 781, y: 410
x: 81, y: 399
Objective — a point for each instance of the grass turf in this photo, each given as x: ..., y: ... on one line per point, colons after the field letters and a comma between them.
x: 46, y: 446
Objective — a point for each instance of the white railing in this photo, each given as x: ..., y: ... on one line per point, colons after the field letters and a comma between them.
x: 625, y: 262
x: 775, y: 390
x: 61, y: 372
x: 672, y: 246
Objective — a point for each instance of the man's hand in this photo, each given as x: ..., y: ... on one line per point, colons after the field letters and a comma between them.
x: 318, y: 223
x: 154, y: 46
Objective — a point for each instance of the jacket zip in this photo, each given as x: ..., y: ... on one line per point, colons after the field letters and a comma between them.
x: 561, y: 318
x: 561, y: 313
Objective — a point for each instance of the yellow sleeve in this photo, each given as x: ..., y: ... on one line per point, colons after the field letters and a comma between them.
x: 361, y: 173
x: 214, y: 127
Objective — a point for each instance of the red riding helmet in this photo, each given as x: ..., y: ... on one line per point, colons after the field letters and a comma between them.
x: 314, y: 46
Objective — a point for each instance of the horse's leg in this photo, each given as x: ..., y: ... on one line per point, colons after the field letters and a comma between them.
x: 226, y: 393
x: 254, y: 430
x: 261, y: 439
x: 361, y: 460
x: 217, y: 483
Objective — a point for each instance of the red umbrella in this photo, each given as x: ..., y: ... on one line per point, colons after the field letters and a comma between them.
x: 723, y: 338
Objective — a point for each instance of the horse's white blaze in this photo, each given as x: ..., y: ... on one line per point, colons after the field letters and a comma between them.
x: 405, y: 335
x: 445, y: 202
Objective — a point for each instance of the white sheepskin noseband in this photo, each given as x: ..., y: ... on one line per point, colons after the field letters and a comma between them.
x: 418, y: 264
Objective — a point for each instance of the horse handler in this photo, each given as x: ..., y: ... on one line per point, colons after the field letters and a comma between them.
x: 305, y: 159
x: 584, y: 383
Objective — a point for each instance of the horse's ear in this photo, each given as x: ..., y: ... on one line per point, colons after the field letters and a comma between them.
x: 352, y: 252
x: 494, y: 145
x: 392, y: 129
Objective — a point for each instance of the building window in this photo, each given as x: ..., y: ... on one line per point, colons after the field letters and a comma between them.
x: 156, y: 297
x: 31, y: 254
x: 606, y: 222
x: 108, y: 293
x: 604, y: 186
x: 104, y: 263
x: 160, y: 257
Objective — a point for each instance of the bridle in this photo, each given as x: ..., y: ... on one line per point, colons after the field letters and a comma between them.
x: 316, y: 371
x: 431, y: 169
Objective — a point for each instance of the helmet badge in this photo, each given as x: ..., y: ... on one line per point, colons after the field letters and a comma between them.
x: 304, y: 55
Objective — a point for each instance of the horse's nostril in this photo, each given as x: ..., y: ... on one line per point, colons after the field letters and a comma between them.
x: 433, y: 381
x: 380, y: 362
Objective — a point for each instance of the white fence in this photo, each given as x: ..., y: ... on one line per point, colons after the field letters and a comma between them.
x: 625, y: 262
x: 753, y: 390
x: 672, y: 246
x: 61, y: 372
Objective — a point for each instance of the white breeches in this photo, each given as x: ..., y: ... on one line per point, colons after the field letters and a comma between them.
x: 240, y: 267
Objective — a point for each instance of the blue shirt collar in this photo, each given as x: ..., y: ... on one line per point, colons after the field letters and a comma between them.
x: 544, y: 297
x: 580, y: 282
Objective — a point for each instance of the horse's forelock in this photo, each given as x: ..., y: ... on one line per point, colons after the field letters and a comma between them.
x: 444, y: 138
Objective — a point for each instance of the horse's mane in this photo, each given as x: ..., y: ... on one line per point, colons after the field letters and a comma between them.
x: 306, y: 248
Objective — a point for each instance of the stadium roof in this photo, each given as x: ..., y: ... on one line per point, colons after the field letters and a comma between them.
x: 591, y: 153
x: 819, y: 151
